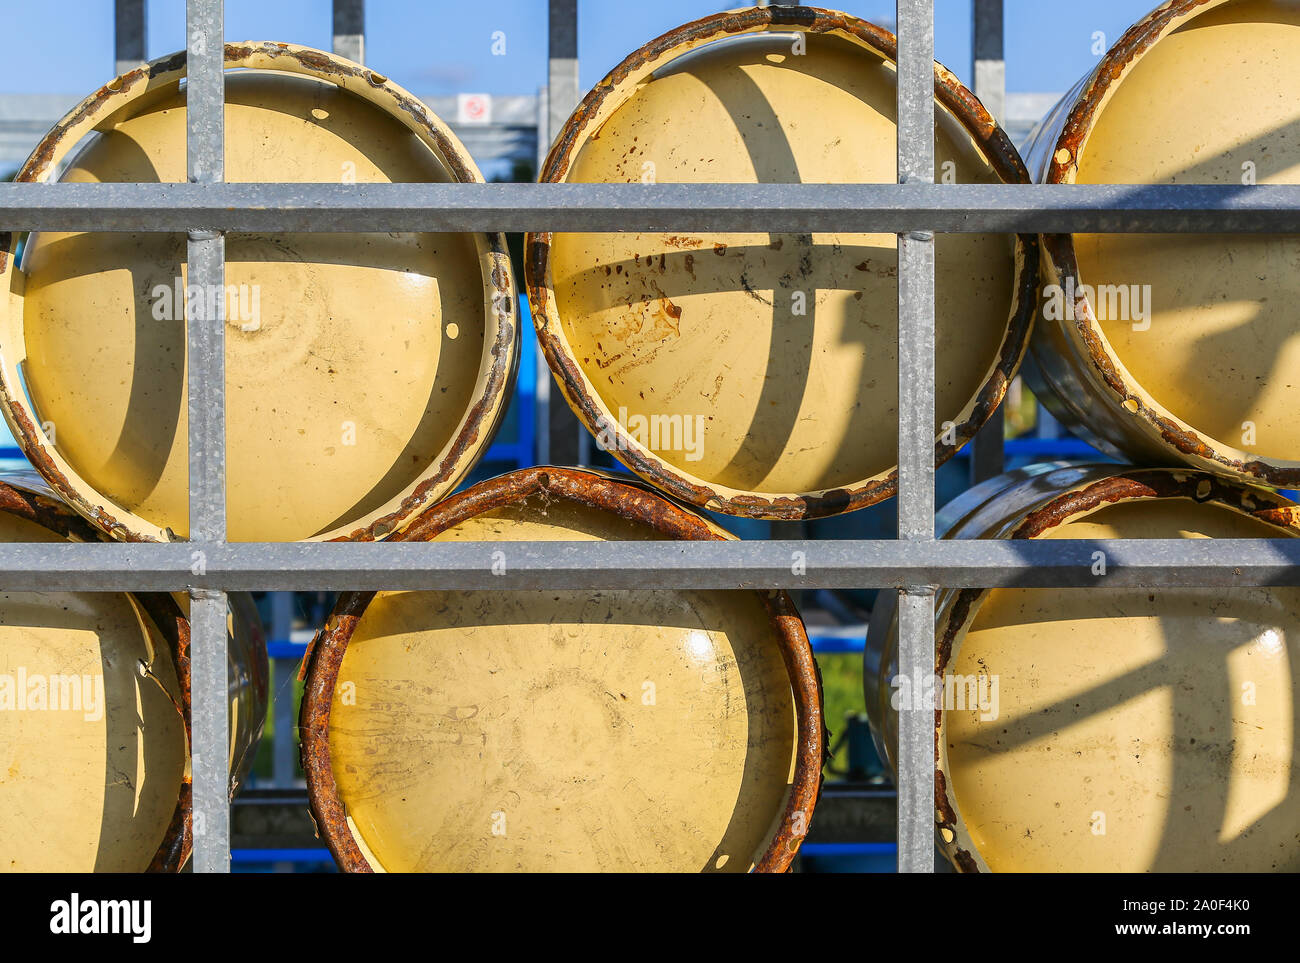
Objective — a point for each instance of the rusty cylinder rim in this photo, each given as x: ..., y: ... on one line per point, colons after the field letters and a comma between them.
x: 498, y: 363
x: 166, y: 615
x: 989, y: 139
x: 1121, y: 388
x: 1084, y: 499
x: 324, y: 657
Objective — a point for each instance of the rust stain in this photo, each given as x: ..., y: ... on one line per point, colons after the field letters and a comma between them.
x: 1259, y: 503
x: 677, y: 241
x: 886, y: 271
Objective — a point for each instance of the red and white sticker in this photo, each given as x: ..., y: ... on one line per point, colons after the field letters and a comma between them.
x: 473, y: 108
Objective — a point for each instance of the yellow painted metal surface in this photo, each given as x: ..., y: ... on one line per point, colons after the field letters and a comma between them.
x: 553, y: 731
x: 779, y: 349
x: 1097, y: 729
x: 352, y: 360
x: 92, y: 742
x: 1135, y: 730
x: 1214, y: 344
x: 92, y: 784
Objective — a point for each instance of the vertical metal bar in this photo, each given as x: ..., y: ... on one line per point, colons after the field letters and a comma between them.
x: 916, y: 733
x: 350, y: 29
x: 210, y: 756
x: 991, y: 88
x: 205, y: 334
x: 916, y: 274
x: 562, y: 70
x: 990, y: 70
x: 283, y: 754
x: 130, y: 35
x: 916, y: 432
x: 564, y: 432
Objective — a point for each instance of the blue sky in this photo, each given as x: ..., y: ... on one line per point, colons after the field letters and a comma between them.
x: 434, y: 47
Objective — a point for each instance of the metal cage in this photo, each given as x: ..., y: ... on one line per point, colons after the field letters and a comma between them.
x: 208, y: 566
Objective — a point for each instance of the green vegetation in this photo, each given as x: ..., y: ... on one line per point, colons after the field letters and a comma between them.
x: 842, y: 696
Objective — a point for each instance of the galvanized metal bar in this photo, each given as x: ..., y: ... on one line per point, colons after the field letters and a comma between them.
x: 350, y: 29
x: 915, y: 278
x: 294, y: 566
x: 205, y: 338
x: 130, y: 35
x: 210, y: 731
x: 566, y: 440
x: 205, y: 342
x: 986, y: 458
x: 759, y: 208
x: 916, y: 735
x: 916, y: 380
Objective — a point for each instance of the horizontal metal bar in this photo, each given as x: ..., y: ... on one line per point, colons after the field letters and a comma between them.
x: 302, y: 566
x: 859, y: 208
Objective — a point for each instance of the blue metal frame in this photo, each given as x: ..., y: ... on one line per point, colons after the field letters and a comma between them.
x: 298, y: 856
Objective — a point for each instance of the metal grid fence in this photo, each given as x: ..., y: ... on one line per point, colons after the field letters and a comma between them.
x: 915, y: 564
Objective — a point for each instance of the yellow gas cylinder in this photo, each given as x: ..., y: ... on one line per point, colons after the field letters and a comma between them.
x: 543, y: 730
x: 365, y: 373
x: 757, y: 374
x: 1178, y: 349
x: 1101, y: 729
x: 94, y: 711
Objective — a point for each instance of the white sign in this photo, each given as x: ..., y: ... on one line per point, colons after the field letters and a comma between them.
x: 473, y: 108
